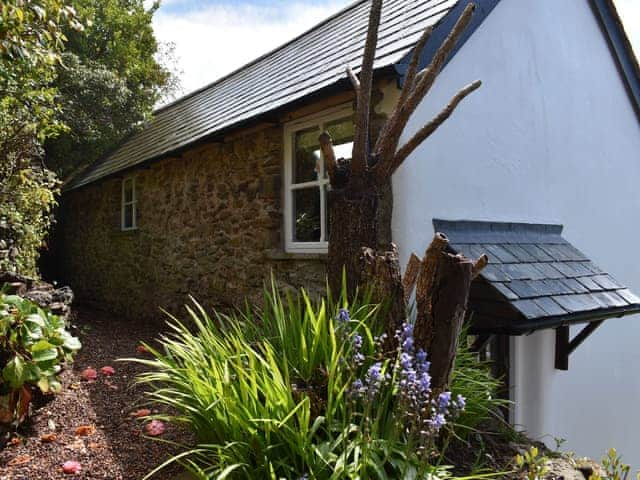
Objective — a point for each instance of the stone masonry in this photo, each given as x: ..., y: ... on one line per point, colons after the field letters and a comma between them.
x: 209, y: 225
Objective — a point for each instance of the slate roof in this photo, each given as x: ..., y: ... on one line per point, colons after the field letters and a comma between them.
x: 313, y: 61
x: 535, y: 278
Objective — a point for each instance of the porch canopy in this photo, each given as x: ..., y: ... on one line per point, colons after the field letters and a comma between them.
x: 535, y: 280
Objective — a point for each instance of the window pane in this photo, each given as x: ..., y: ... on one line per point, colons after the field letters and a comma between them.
x: 128, y: 191
x: 306, y: 215
x: 306, y: 155
x: 341, y: 132
x: 128, y: 216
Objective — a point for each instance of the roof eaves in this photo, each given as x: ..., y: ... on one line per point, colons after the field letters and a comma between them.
x: 442, y: 30
x: 621, y: 47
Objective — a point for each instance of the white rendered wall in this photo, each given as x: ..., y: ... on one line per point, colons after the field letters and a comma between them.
x: 551, y: 136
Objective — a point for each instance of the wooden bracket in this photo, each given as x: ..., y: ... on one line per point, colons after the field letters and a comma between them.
x: 565, y: 346
x: 481, y: 342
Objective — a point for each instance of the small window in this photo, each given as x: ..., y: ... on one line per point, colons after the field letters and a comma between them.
x: 129, y: 208
x: 306, y: 182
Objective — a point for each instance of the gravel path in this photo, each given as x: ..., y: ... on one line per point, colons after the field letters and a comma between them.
x: 110, y: 443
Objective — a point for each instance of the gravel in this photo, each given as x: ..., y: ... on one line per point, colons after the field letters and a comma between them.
x: 91, y: 422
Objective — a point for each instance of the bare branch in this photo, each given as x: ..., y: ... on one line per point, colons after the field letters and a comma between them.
x: 329, y: 155
x: 409, y: 82
x: 425, y: 80
x: 479, y: 265
x: 361, y: 134
x: 354, y: 80
x: 432, y: 126
x: 411, y: 275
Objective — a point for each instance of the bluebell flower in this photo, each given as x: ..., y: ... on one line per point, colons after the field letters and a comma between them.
x: 421, y: 356
x: 443, y: 401
x: 373, y: 379
x: 405, y: 361
x: 358, y: 359
x: 425, y: 382
x: 461, y: 402
x: 343, y: 315
x: 357, y: 341
x: 437, y: 422
x: 407, y: 344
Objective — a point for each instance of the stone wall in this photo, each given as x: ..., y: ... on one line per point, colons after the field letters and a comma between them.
x: 209, y: 225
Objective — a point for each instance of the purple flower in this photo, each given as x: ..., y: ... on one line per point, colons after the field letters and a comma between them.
x: 407, y: 344
x: 437, y: 422
x: 461, y: 402
x: 358, y: 359
x: 421, y: 356
x: 375, y: 372
x: 405, y: 361
x: 425, y: 382
x: 343, y: 315
x: 443, y: 401
x: 357, y: 341
x: 373, y: 379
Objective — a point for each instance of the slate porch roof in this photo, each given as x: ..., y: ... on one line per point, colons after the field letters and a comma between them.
x: 535, y: 278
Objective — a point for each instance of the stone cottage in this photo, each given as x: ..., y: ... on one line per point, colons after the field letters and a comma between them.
x: 226, y: 185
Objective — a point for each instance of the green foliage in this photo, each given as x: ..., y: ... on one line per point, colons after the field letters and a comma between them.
x: 31, y: 40
x: 27, y: 197
x: 532, y: 464
x: 473, y: 380
x: 615, y: 469
x: 270, y: 394
x: 33, y: 346
x: 109, y: 81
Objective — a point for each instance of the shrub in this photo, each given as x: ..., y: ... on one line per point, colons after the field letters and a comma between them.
x: 300, y: 390
x: 34, y: 344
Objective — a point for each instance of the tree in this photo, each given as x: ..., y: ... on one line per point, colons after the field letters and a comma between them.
x: 109, y: 81
x: 31, y: 40
x: 443, y: 280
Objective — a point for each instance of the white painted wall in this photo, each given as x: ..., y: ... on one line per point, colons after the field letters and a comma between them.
x: 550, y: 137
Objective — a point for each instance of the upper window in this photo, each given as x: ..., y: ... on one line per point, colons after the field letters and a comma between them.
x: 129, y: 208
x: 306, y: 181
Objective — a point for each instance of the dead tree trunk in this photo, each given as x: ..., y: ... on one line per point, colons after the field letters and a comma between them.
x: 448, y: 307
x: 353, y: 225
x: 356, y: 185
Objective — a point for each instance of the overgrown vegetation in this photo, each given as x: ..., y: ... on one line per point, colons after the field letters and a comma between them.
x: 78, y: 91
x: 111, y: 76
x: 34, y: 345
x: 31, y: 40
x: 302, y: 389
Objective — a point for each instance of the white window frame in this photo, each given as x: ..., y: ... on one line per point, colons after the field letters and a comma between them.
x: 133, y: 203
x: 290, y: 129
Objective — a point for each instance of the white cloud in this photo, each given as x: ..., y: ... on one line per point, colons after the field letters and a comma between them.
x: 217, y: 39
x: 213, y: 40
x: 630, y: 12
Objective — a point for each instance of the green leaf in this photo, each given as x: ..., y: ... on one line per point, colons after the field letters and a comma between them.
x: 14, y: 372
x: 44, y: 355
x: 71, y: 343
x: 43, y: 384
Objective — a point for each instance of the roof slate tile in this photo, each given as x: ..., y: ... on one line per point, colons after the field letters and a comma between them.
x: 546, y: 280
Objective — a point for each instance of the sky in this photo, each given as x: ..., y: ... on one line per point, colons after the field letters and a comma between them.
x: 214, y: 37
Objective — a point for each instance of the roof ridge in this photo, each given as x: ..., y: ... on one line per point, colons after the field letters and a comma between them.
x: 258, y: 59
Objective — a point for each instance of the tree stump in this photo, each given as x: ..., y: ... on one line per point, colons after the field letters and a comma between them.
x: 423, y: 332
x: 449, y: 295
x: 381, y: 276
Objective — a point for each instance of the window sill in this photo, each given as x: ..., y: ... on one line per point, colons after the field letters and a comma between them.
x: 281, y: 255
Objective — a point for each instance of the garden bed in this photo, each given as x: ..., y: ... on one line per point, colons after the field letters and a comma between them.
x: 91, y: 422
